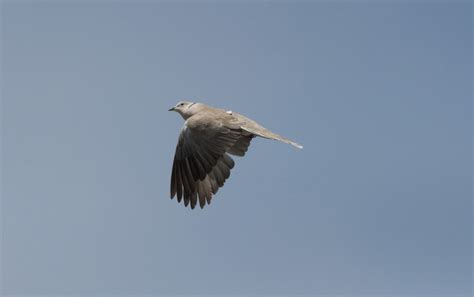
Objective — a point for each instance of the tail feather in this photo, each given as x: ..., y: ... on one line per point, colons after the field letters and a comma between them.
x: 255, y: 128
x: 265, y: 133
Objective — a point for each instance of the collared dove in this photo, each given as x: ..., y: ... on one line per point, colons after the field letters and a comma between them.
x: 201, y: 162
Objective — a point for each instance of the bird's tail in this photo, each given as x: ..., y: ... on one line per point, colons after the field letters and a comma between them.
x: 265, y: 133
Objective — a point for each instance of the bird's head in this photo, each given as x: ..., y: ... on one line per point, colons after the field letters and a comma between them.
x: 185, y: 108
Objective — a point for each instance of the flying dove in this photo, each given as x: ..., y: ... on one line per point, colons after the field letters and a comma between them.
x: 201, y: 162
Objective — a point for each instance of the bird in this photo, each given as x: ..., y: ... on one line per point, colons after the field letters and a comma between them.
x: 202, y: 161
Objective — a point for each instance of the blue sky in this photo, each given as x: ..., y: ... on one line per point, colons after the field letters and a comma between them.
x: 378, y: 201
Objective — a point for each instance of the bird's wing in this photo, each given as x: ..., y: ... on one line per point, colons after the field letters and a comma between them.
x: 201, y: 165
x: 241, y: 146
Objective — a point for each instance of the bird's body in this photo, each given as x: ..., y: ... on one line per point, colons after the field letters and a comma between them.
x: 202, y: 163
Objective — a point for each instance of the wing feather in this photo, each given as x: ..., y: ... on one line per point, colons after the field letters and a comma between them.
x: 201, y: 164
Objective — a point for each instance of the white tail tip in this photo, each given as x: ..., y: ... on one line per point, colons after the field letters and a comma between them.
x: 297, y: 145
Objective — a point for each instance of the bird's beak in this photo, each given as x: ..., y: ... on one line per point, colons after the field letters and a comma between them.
x: 171, y: 109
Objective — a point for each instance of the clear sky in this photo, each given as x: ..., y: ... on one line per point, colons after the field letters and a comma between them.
x: 378, y: 201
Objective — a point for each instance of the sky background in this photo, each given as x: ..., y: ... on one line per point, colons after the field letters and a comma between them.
x: 378, y: 201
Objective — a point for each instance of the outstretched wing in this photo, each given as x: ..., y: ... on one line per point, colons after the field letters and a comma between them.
x: 201, y: 164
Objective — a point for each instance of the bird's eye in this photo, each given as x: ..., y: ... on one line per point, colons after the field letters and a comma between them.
x: 181, y: 104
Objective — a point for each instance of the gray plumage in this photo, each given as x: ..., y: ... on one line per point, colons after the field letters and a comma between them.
x: 202, y: 163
